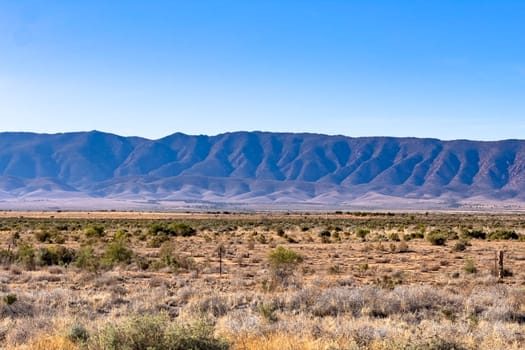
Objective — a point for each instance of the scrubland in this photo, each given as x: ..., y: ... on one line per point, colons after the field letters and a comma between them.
x: 111, y: 280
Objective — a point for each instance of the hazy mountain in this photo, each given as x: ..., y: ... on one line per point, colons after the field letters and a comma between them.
x: 258, y: 167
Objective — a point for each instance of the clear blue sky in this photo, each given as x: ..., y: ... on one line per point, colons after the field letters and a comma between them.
x: 445, y: 69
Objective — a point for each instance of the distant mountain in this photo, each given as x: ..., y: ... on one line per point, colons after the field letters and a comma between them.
x: 260, y: 167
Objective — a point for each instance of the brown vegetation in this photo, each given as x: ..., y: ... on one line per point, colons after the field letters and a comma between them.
x: 289, y: 281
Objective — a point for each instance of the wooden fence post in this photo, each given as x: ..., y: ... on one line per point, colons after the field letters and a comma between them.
x: 501, y: 270
x: 220, y: 250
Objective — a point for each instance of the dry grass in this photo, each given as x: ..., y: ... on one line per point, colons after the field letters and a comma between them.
x: 349, y: 292
x: 48, y: 343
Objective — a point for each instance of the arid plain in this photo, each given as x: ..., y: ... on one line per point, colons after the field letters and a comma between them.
x: 221, y: 280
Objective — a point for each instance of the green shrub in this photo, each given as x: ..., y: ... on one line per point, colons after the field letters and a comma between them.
x: 78, y: 333
x: 362, y: 233
x: 181, y: 229
x: 43, y: 236
x: 157, y: 333
x: 325, y: 233
x: 25, y: 256
x: 452, y: 235
x: 156, y: 228
x: 267, y: 311
x: 6, y: 256
x: 470, y: 267
x: 394, y: 237
x: 414, y: 235
x: 281, y: 256
x: 503, y: 235
x: 87, y: 260
x: 54, y: 255
x: 121, y: 233
x: 59, y: 239
x: 117, y: 252
x: 95, y: 231
x: 173, y: 229
x: 437, y: 237
x: 157, y: 240
x: 9, y: 299
x: 476, y: 234
x: 283, y: 263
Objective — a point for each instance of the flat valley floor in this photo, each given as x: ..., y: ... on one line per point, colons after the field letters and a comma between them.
x: 220, y: 280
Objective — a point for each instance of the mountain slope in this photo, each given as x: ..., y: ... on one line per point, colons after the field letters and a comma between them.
x: 258, y: 167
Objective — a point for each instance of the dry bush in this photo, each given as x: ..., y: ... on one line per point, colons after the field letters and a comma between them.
x: 156, y: 332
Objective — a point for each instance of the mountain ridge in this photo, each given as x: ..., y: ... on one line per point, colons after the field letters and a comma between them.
x: 258, y: 167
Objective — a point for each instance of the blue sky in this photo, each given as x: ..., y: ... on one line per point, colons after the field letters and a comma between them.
x: 445, y: 69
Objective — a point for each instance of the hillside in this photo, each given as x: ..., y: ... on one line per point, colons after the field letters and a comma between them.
x: 259, y: 168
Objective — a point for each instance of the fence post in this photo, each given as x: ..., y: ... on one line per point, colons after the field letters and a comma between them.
x: 220, y: 258
x: 501, y: 270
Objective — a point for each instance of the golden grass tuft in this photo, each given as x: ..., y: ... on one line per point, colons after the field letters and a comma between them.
x: 54, y: 342
x: 277, y: 342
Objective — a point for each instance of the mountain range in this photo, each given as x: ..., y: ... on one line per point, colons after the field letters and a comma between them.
x: 259, y: 168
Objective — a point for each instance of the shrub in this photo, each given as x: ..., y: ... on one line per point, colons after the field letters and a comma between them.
x: 173, y: 229
x: 59, y: 239
x: 117, y: 252
x: 283, y: 262
x: 9, y: 299
x: 95, y: 231
x: 26, y: 256
x: 55, y: 255
x: 168, y: 257
x: 78, y: 333
x: 156, y: 228
x: 291, y: 239
x: 122, y: 233
x: 43, y: 236
x: 325, y: 233
x: 470, y: 267
x: 335, y: 269
x: 157, y: 333
x: 503, y: 235
x: 6, y: 256
x: 157, y: 240
x: 414, y: 235
x: 46, y: 236
x: 362, y: 233
x: 281, y: 256
x: 394, y: 237
x: 437, y: 237
x: 262, y: 239
x: 87, y: 260
x: 267, y: 311
x: 477, y: 234
x: 181, y: 229
x: 459, y: 246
